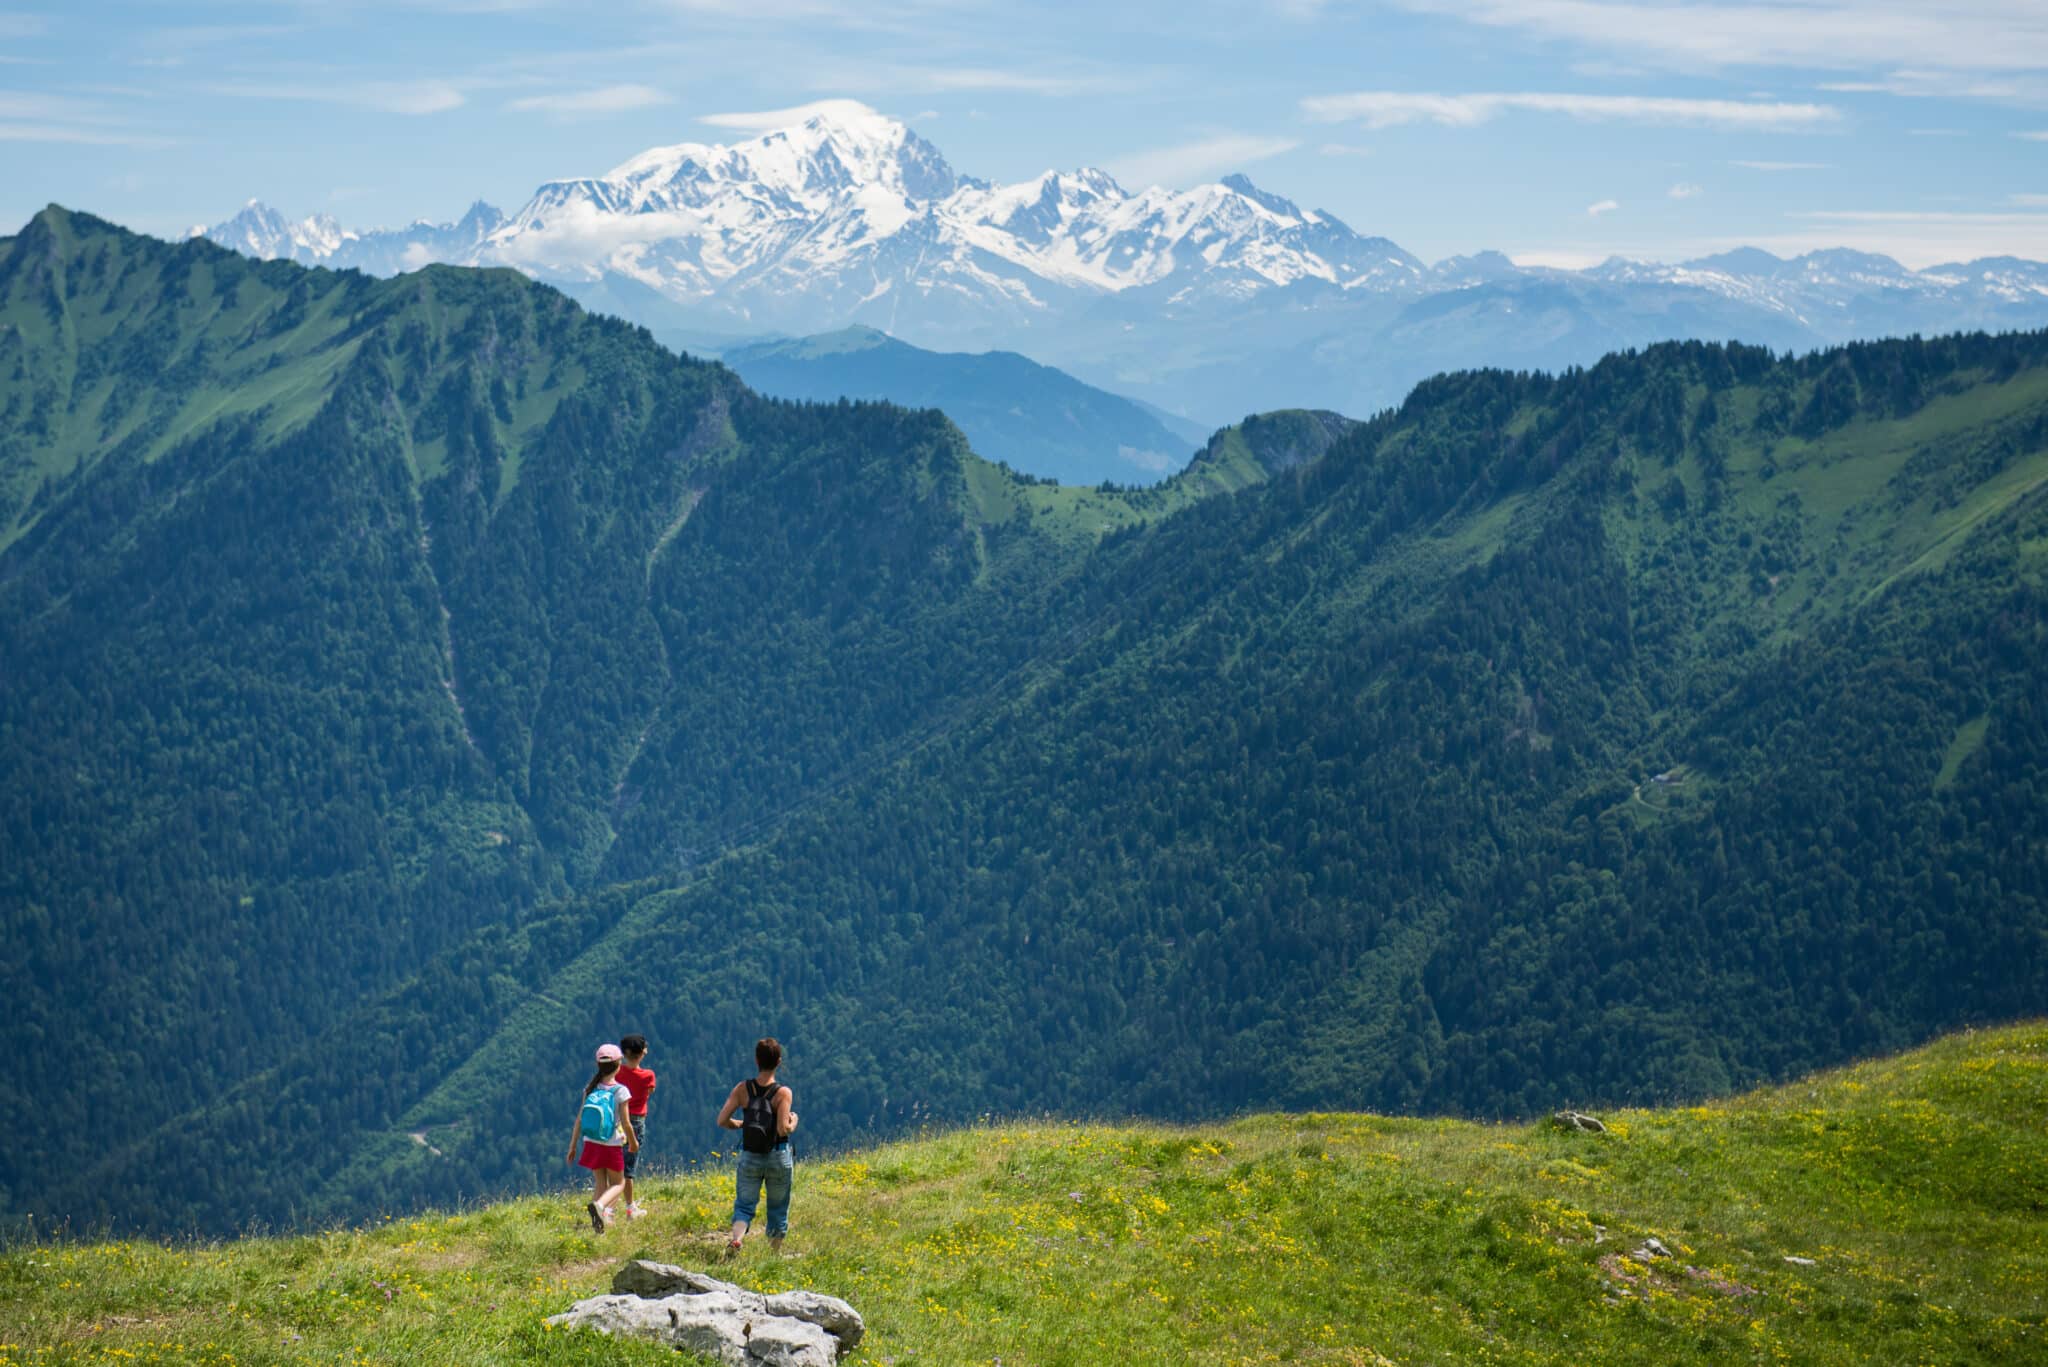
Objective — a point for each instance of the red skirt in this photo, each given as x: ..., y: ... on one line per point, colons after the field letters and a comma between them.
x: 603, y: 1157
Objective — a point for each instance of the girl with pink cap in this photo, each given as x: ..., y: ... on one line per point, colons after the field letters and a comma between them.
x: 604, y: 1131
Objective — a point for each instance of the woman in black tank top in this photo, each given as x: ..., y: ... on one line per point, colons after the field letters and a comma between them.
x: 762, y: 1110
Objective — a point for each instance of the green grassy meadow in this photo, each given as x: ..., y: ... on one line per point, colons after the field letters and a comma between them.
x: 1917, y: 1187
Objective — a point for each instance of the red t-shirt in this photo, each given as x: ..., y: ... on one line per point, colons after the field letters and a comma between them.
x: 640, y: 1082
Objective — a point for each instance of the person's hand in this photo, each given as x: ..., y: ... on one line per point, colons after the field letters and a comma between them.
x: 572, y: 1158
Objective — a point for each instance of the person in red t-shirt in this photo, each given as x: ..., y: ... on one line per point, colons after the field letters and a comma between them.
x: 640, y: 1082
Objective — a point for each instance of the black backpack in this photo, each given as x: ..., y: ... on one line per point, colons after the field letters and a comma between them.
x: 757, y: 1118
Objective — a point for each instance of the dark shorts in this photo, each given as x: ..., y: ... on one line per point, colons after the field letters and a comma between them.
x: 639, y: 1130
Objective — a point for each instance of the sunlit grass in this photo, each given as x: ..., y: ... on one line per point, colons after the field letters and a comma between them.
x: 1917, y: 1187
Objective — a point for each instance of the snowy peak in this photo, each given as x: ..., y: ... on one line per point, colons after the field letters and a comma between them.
x: 262, y: 232
x: 841, y: 148
x: 843, y: 215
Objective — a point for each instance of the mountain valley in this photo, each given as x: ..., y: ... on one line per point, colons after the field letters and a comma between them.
x: 406, y: 681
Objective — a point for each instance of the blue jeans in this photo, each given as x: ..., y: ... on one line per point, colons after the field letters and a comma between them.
x: 640, y: 1133
x: 772, y: 1169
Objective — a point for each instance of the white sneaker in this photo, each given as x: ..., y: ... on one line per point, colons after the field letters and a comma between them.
x: 635, y: 1211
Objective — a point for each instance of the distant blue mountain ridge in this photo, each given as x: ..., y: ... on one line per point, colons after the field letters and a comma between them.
x: 1038, y: 420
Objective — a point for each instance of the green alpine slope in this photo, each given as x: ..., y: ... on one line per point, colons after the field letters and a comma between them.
x: 335, y: 614
x: 1889, y: 1212
x: 1640, y: 733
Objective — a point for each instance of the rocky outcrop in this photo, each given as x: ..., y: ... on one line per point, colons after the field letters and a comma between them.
x: 1575, y: 1120
x: 689, y: 1311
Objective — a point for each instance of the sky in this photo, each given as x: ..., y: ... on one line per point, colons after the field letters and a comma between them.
x: 1558, y: 131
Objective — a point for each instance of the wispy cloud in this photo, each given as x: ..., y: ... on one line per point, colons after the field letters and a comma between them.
x: 1605, y: 206
x: 1344, y: 149
x: 2031, y: 201
x: 1391, y: 108
x: 1685, y: 189
x: 13, y: 25
x: 384, y: 97
x: 1945, y: 85
x: 767, y: 120
x: 2038, y: 135
x: 610, y: 99
x: 889, y: 79
x: 69, y: 119
x: 1192, y: 161
x: 1777, y: 166
x: 84, y: 137
x: 1962, y: 35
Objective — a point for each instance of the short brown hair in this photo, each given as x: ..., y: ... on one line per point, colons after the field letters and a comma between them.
x: 767, y: 1054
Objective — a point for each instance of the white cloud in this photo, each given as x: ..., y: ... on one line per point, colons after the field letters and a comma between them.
x: 950, y: 80
x: 610, y: 99
x: 895, y: 80
x: 1194, y: 161
x: 768, y: 120
x: 84, y: 137
x: 68, y: 119
x: 1390, y: 108
x: 1605, y: 206
x: 1783, y: 165
x: 1944, y: 85
x: 1963, y: 35
x: 1559, y: 258
x: 925, y: 115
x: 1685, y: 190
x: 384, y: 97
x: 2039, y: 135
x: 2030, y: 201
x: 1344, y: 149
x: 1936, y: 133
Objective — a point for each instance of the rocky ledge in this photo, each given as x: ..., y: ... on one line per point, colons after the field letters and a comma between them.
x: 689, y: 1311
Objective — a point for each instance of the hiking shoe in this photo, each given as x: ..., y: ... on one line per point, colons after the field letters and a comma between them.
x: 596, y: 1217
x: 635, y: 1211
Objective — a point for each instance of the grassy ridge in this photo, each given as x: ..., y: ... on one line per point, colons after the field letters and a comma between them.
x: 1917, y: 1185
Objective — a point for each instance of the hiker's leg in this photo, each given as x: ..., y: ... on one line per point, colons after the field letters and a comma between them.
x: 781, y: 1169
x: 595, y: 1210
x: 746, y: 1195
x: 633, y: 1157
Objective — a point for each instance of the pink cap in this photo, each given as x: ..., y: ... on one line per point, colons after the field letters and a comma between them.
x: 609, y: 1053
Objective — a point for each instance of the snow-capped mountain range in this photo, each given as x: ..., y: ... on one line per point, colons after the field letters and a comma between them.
x: 1212, y: 300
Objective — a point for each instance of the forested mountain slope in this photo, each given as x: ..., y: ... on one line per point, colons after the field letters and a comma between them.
x: 1638, y: 732
x: 339, y: 621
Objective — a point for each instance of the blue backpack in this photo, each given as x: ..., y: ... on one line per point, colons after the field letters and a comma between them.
x: 600, y: 1122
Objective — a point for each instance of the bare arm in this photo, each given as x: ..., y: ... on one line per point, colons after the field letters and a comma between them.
x: 785, y: 1113
x: 726, y: 1120
x: 575, y: 1137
